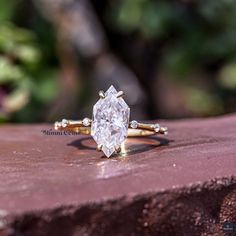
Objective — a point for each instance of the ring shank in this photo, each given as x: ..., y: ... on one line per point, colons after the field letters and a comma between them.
x: 131, y: 132
x: 142, y: 129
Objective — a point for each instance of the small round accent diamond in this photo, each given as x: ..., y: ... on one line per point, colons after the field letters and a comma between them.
x: 86, y: 121
x: 134, y: 124
x: 157, y: 128
x: 64, y: 123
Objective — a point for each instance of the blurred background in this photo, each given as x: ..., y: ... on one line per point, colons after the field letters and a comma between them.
x: 172, y: 58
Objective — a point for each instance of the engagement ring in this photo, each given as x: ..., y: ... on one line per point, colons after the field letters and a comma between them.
x: 110, y: 125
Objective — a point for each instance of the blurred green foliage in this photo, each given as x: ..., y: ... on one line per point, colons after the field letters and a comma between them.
x: 27, y: 78
x: 195, y: 36
x: 203, y: 30
x: 195, y: 41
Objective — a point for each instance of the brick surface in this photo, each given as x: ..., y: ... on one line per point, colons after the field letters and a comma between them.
x: 180, y: 184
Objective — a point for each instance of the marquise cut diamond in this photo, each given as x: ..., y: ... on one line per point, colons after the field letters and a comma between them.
x: 110, y: 121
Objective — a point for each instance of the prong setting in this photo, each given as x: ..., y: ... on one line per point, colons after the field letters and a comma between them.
x: 99, y: 147
x: 86, y: 122
x: 165, y: 132
x: 101, y: 94
x: 134, y: 124
x: 120, y: 94
x: 156, y: 127
x: 116, y: 113
x: 118, y: 149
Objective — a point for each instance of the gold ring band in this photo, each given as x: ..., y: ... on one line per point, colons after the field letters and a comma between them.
x: 142, y: 129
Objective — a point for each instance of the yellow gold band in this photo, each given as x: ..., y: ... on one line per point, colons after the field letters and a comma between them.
x: 139, y: 129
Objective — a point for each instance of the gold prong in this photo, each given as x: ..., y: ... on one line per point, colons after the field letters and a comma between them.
x: 164, y: 130
x: 99, y: 147
x: 101, y: 94
x: 120, y: 94
x: 56, y: 125
x: 118, y: 149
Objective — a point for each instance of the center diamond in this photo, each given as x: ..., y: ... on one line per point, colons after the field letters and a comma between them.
x: 110, y: 121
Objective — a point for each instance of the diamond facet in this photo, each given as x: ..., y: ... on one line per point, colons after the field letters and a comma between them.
x: 110, y: 121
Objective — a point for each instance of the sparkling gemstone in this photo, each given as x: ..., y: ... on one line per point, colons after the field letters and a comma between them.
x: 64, y: 123
x: 134, y: 124
x: 86, y: 121
x: 110, y: 121
x: 157, y: 128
